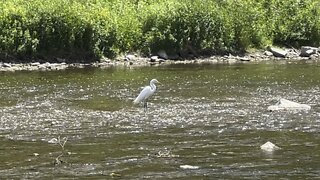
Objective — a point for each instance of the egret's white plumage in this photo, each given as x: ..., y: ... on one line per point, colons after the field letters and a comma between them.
x: 146, y: 93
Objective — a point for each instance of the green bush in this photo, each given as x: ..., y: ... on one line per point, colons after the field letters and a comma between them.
x: 296, y: 22
x: 175, y: 26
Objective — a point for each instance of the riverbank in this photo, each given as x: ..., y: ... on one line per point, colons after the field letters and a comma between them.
x: 161, y: 58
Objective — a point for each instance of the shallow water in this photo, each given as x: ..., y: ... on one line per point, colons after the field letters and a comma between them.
x: 211, y: 117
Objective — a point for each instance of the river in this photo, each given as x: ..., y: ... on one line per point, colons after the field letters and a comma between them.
x: 206, y: 121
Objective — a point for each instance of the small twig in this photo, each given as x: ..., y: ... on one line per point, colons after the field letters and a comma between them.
x: 64, y: 143
x: 58, y: 161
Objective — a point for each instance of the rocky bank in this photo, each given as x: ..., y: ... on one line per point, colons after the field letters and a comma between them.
x: 306, y: 53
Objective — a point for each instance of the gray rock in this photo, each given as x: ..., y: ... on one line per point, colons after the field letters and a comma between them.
x: 35, y: 64
x: 292, y: 53
x: 284, y: 104
x: 277, y: 52
x: 7, y: 65
x: 314, y: 56
x: 244, y: 58
x: 269, y: 147
x: 268, y: 53
x: 129, y: 57
x: 307, y: 51
x: 154, y: 58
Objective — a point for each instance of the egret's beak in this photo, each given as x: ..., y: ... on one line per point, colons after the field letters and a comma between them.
x: 159, y: 82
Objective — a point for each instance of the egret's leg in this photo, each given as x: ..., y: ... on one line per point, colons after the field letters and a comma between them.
x: 145, y: 105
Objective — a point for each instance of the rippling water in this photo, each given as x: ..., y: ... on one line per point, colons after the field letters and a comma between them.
x: 211, y: 117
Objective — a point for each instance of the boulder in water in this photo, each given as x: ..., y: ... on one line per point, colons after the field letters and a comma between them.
x: 284, y: 104
x: 269, y: 147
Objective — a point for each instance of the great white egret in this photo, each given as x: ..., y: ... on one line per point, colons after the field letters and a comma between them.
x: 146, y: 93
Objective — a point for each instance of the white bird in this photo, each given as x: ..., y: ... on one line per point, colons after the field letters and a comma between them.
x: 146, y: 93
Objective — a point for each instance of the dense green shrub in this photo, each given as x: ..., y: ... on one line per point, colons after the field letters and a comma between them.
x: 248, y: 25
x: 297, y: 22
x: 198, y: 24
x: 86, y: 30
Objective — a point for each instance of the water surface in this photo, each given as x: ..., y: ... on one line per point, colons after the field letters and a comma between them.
x: 212, y: 117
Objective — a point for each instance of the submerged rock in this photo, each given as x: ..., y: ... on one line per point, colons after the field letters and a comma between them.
x: 284, y: 104
x: 269, y: 147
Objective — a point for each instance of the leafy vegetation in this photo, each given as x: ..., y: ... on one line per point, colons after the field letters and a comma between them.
x: 86, y: 30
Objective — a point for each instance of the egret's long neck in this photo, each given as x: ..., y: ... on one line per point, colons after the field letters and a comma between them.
x: 153, y: 86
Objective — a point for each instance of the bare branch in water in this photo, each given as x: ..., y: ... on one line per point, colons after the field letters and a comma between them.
x: 62, y: 144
